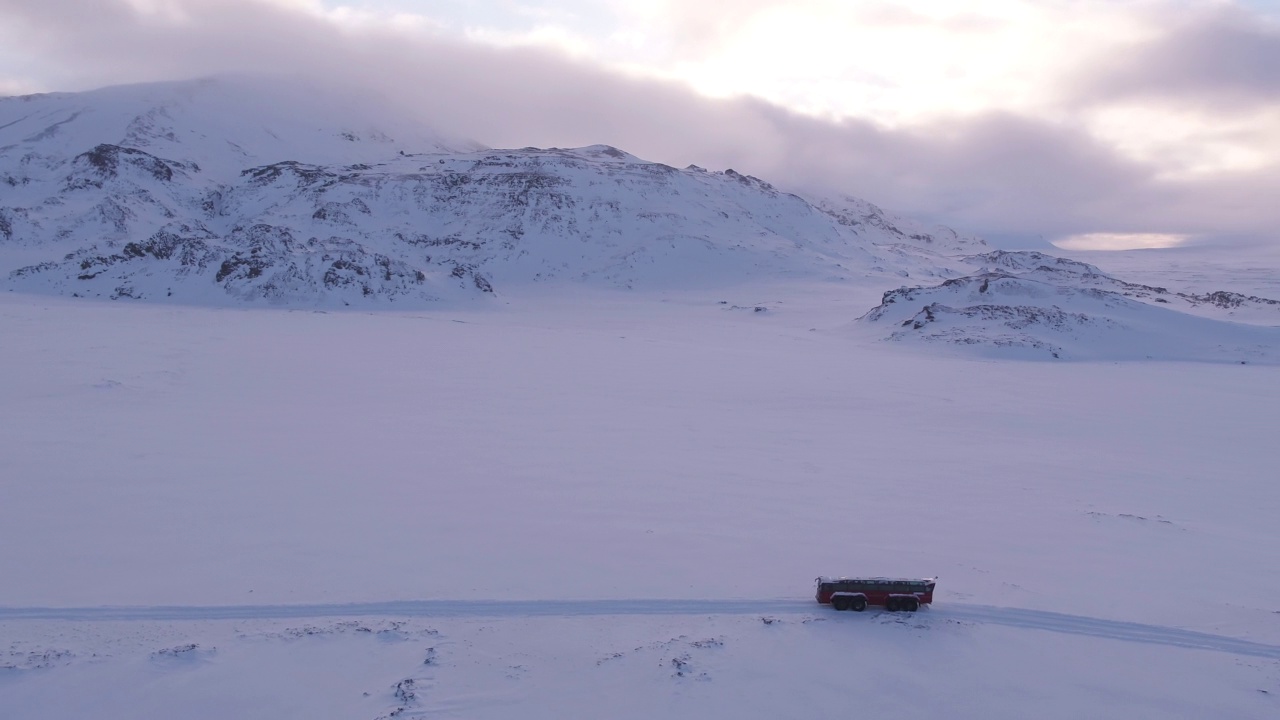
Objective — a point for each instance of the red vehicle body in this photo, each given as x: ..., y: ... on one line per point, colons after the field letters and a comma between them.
x: 893, y: 593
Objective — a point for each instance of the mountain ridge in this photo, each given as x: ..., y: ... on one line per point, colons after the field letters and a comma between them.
x: 172, y: 204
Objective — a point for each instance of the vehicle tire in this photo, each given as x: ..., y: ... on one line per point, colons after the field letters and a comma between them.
x: 891, y: 604
x: 911, y: 605
x: 840, y: 603
x: 859, y: 604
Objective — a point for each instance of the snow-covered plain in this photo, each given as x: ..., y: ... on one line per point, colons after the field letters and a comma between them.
x: 578, y: 503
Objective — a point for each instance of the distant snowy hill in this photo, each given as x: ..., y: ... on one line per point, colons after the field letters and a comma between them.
x: 1026, y: 304
x: 231, y: 190
x: 1061, y: 271
x: 860, y: 214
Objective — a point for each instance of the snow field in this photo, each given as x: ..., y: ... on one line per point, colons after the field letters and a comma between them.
x: 925, y: 665
x: 623, y: 447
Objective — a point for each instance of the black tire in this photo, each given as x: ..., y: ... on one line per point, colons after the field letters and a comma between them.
x: 859, y: 604
x: 911, y: 604
x: 840, y: 603
x: 891, y: 604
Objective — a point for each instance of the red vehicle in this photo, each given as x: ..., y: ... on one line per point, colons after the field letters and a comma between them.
x: 893, y: 593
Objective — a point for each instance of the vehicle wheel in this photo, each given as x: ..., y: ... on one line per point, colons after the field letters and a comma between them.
x: 911, y: 605
x: 859, y: 604
x: 891, y: 604
x: 840, y: 603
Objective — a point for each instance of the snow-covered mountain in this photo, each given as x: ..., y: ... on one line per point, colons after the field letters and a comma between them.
x: 1027, y: 304
x: 225, y: 190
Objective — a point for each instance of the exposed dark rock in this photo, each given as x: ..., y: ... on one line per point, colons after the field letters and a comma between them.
x: 241, y: 266
x: 1229, y: 300
x: 105, y: 161
x: 302, y: 173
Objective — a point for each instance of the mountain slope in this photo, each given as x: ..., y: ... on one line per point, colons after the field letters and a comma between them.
x: 159, y: 192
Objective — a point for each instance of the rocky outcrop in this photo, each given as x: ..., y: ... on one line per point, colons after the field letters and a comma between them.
x: 1061, y: 311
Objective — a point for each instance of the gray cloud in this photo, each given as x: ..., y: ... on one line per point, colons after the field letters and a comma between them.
x: 1223, y: 56
x: 994, y: 174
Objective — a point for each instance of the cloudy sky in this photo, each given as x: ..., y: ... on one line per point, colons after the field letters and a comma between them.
x: 1083, y: 122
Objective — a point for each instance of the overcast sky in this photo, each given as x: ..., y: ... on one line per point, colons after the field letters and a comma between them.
x: 1129, y: 121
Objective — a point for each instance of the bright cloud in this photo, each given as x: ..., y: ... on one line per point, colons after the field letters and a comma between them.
x: 901, y: 65
x: 838, y: 58
x: 1187, y: 142
x: 1120, y: 241
x: 880, y: 61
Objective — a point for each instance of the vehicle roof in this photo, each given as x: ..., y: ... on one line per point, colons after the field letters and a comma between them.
x: 874, y: 580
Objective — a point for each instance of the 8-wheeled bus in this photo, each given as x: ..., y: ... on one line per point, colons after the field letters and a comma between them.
x: 856, y: 594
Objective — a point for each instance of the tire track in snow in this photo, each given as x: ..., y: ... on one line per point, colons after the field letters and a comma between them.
x: 419, y: 608
x: 980, y: 614
x: 1108, y: 629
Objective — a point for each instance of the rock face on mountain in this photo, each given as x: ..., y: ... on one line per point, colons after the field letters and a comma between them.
x: 1031, y: 305
x: 226, y: 191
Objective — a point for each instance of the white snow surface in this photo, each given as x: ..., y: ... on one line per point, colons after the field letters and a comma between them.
x: 590, y: 504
